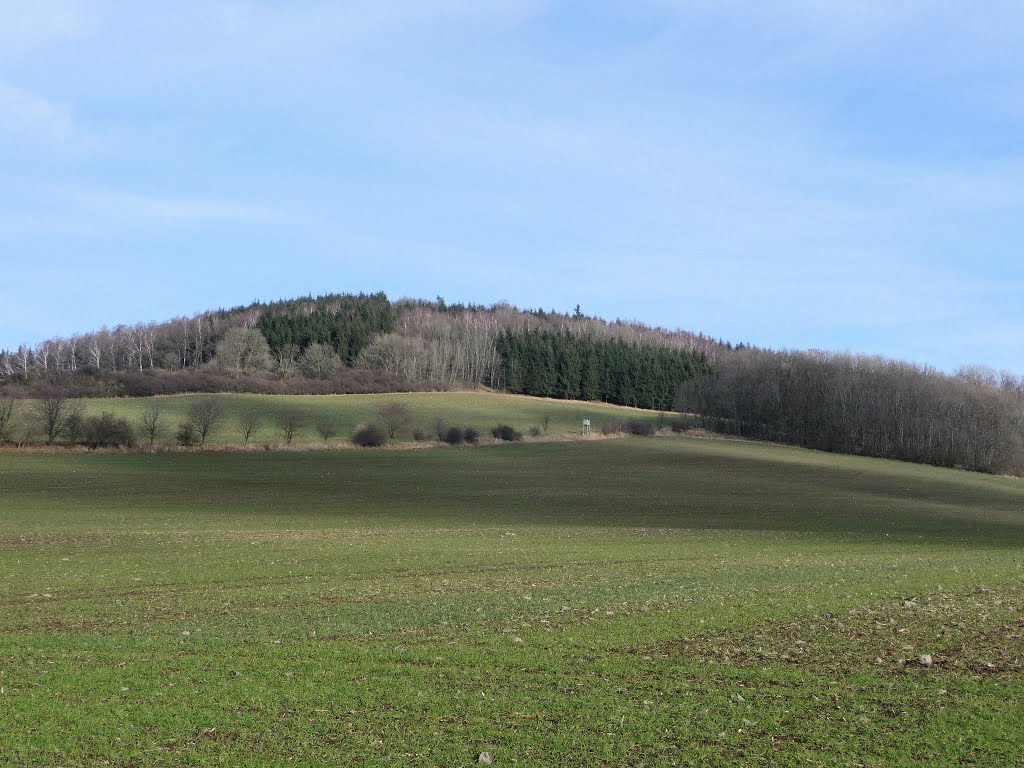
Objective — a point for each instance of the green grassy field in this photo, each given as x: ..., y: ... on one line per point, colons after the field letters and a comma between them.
x: 662, y: 601
x: 481, y: 410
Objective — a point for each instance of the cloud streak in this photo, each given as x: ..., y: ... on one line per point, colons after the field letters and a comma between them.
x: 28, y: 118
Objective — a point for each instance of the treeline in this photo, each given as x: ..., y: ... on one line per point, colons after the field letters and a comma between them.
x: 337, y: 326
x: 308, y: 344
x: 458, y: 344
x: 582, y: 367
x: 865, y: 406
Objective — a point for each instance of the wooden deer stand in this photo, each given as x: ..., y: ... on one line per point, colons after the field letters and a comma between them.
x: 586, y: 427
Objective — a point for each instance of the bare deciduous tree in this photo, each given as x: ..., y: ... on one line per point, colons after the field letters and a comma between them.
x: 243, y: 351
x: 395, y: 417
x: 319, y: 361
x: 7, y: 412
x: 57, y: 415
x: 151, y: 423
x: 290, y: 421
x: 327, y: 429
x: 205, y: 415
x: 286, y: 359
x: 249, y: 423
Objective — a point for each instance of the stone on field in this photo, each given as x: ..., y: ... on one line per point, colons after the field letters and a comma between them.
x: 925, y: 660
x: 486, y: 758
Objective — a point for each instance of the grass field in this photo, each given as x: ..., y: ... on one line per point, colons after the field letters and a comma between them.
x: 481, y: 410
x: 663, y: 601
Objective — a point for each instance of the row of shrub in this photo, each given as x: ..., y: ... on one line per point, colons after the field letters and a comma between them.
x: 642, y: 428
x: 376, y: 435
x: 58, y: 419
x: 109, y: 431
x: 147, y: 383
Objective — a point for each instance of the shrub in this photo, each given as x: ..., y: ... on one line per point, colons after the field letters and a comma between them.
x: 419, y: 435
x: 611, y: 428
x: 186, y: 434
x: 107, y: 431
x: 534, y: 431
x: 470, y: 435
x: 75, y: 424
x: 679, y: 425
x: 505, y: 432
x: 642, y: 428
x: 453, y: 436
x: 371, y: 436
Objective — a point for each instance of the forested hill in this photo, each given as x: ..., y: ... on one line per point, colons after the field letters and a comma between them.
x: 340, y: 343
x: 345, y: 343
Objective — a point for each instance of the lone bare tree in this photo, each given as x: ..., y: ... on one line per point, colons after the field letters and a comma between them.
x: 7, y: 411
x: 151, y: 423
x: 249, y: 423
x: 57, y: 415
x: 327, y: 429
x: 290, y: 422
x: 395, y: 417
x: 205, y: 415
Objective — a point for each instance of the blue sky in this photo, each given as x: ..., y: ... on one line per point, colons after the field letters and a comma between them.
x: 800, y: 173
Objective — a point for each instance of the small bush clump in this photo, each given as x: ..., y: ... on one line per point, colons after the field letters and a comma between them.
x: 535, y: 431
x: 419, y: 435
x: 186, y: 435
x: 370, y: 436
x: 440, y: 429
x: 641, y: 428
x: 453, y: 436
x: 471, y: 436
x: 505, y: 432
x: 107, y: 431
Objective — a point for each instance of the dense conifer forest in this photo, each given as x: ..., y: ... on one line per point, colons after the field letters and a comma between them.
x: 581, y: 367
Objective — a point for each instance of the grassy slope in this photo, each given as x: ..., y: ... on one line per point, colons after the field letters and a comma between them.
x: 482, y: 410
x: 662, y: 601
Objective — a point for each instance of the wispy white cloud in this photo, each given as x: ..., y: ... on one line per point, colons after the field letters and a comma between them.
x: 130, y: 208
x: 44, y: 210
x: 27, y: 117
x: 27, y: 26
